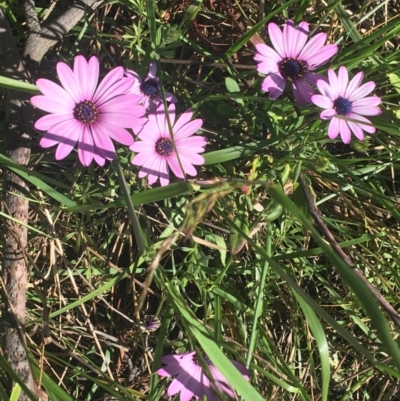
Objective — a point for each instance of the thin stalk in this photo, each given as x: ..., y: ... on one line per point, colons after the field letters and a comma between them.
x: 260, y: 298
x: 137, y: 232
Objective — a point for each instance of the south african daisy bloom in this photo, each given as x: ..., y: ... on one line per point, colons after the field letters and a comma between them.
x: 86, y: 113
x: 160, y: 150
x: 149, y: 89
x: 345, y: 104
x: 292, y: 58
x: 190, y: 380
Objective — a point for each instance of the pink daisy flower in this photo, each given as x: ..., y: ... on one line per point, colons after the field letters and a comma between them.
x: 292, y: 59
x: 156, y: 153
x: 149, y: 89
x: 190, y: 380
x: 345, y: 103
x: 87, y: 114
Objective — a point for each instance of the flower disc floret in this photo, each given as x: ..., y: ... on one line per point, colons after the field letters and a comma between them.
x: 346, y: 103
x: 156, y: 154
x: 151, y: 87
x: 292, y: 58
x: 86, y: 112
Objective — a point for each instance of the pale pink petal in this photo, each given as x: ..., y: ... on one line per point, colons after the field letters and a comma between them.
x: 343, y: 80
x: 326, y: 90
x: 142, y: 146
x: 328, y: 114
x: 312, y: 47
x: 194, y: 142
x: 103, y: 143
x: 333, y: 129
x: 68, y: 135
x: 119, y: 134
x: 120, y: 87
x: 189, y: 129
x: 360, y: 120
x: 185, y: 117
x: 276, y: 37
x: 322, y: 56
x: 46, y: 122
x: 67, y: 79
x: 142, y: 158
x: 354, y: 84
x: 345, y: 132
x: 48, y: 141
x: 357, y: 130
x: 334, y: 84
x: 86, y: 147
x: 118, y: 119
x: 55, y: 92
x: 93, y: 77
x: 186, y: 394
x: 81, y: 73
x: 368, y: 102
x: 292, y: 38
x: 302, y: 36
x: 268, y: 67
x: 188, y: 167
x: 100, y: 160
x: 274, y: 84
x: 362, y: 91
x: 163, y: 172
x: 108, y: 81
x: 322, y: 101
x: 267, y: 55
x: 302, y: 91
x: 175, y: 167
x: 366, y: 110
x: 123, y: 104
x: 190, y: 156
x: 53, y: 106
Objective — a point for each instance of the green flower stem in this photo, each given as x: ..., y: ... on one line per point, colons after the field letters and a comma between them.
x: 137, y: 232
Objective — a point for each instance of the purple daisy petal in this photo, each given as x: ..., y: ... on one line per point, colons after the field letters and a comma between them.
x: 345, y: 132
x: 343, y: 80
x: 274, y: 84
x: 293, y: 39
x: 313, y: 78
x: 354, y: 84
x: 50, y: 105
x: 152, y: 70
x: 276, y: 37
x: 357, y: 130
x: 67, y: 79
x: 360, y: 120
x: 302, y: 92
x: 322, y: 101
x: 362, y: 91
x: 333, y: 129
x: 328, y: 114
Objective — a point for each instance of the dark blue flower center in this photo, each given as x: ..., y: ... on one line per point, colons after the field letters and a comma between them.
x: 150, y: 87
x: 164, y: 147
x: 342, y: 106
x: 291, y: 68
x: 86, y: 112
x: 205, y: 357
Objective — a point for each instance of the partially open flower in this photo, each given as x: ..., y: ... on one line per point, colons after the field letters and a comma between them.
x: 149, y: 89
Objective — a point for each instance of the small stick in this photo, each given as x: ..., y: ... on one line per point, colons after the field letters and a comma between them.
x: 315, y: 213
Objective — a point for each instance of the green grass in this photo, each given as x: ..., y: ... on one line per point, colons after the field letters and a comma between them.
x: 238, y: 269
